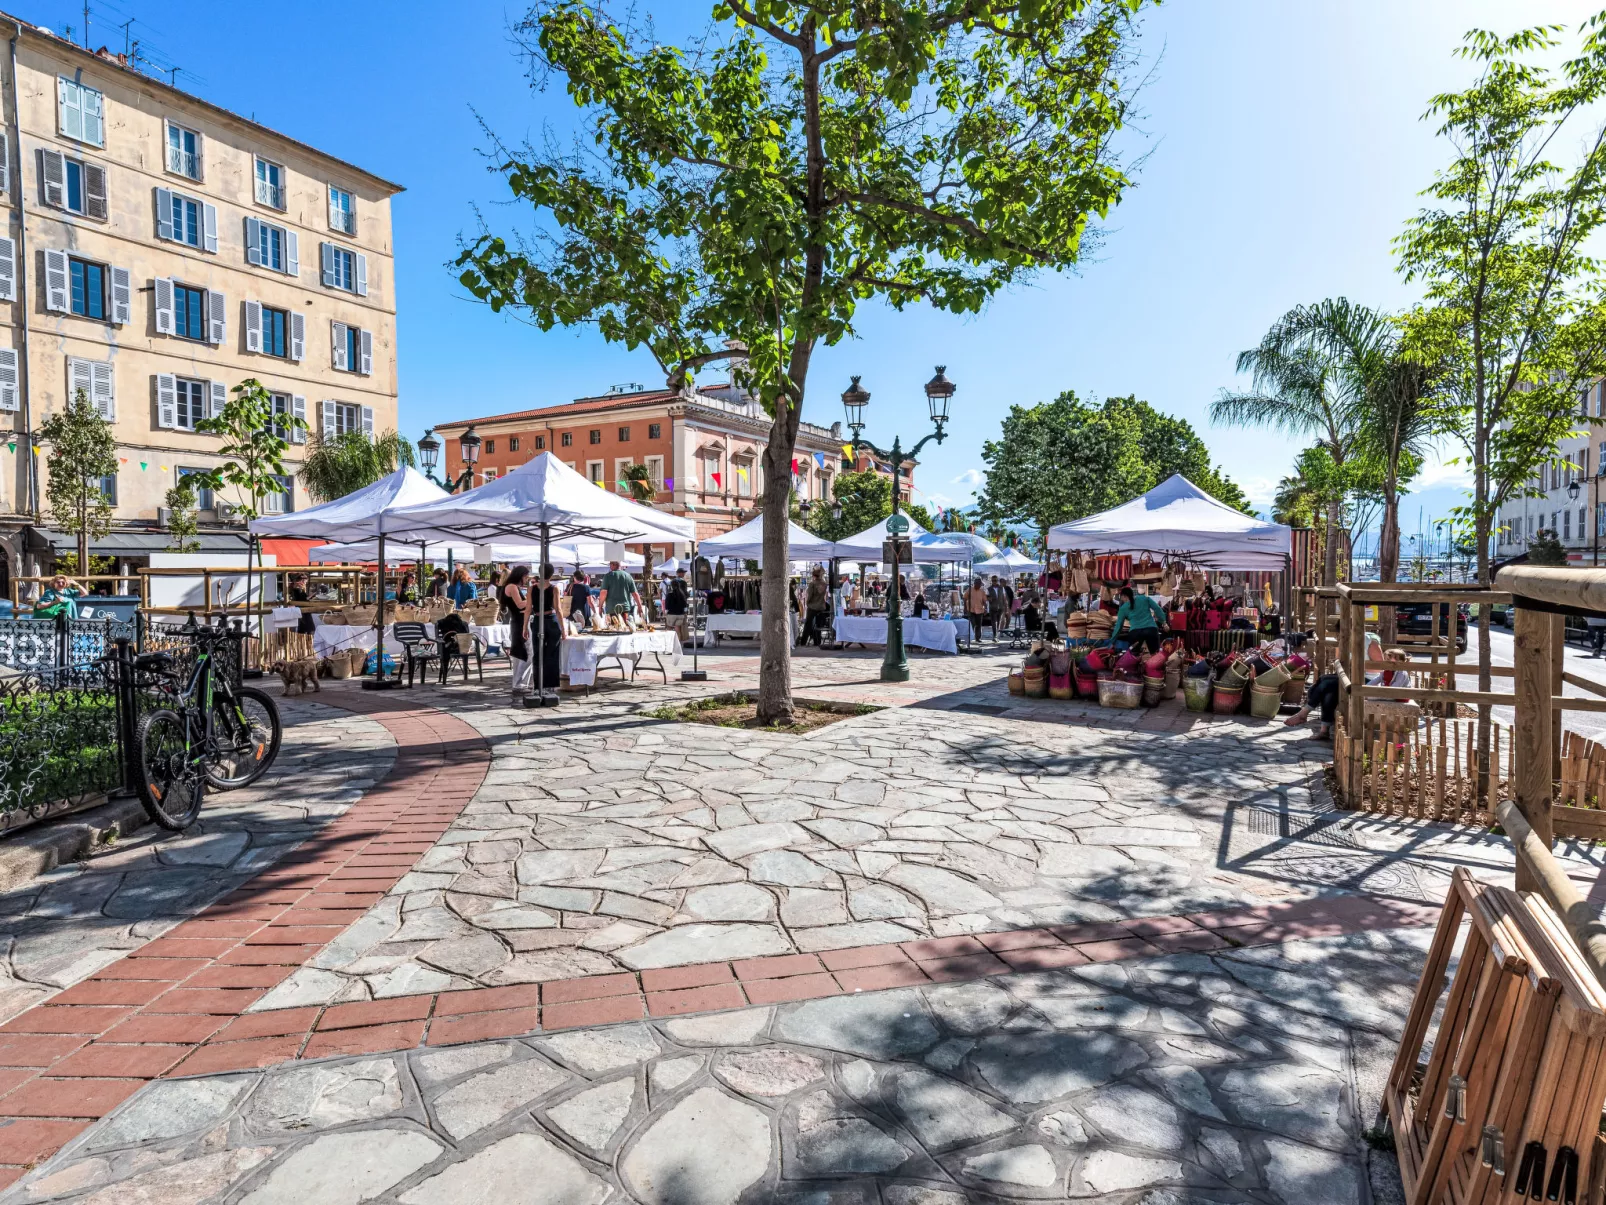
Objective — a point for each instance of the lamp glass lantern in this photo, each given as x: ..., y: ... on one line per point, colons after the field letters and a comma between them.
x: 836, y: 509
x: 939, y: 391
x: 429, y: 451
x: 469, y: 447
x: 1572, y: 492
x: 854, y: 400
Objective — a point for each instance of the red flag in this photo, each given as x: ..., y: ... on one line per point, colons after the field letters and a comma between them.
x: 794, y: 466
x: 714, y: 477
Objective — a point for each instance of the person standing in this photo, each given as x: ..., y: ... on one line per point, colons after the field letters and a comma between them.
x: 547, y: 631
x: 580, y: 598
x: 516, y: 595
x: 676, y: 605
x: 1141, y: 618
x: 816, y: 608
x: 437, y: 584
x: 1597, y: 632
x: 619, y: 594
x: 462, y: 590
x: 997, y: 605
x: 976, y: 607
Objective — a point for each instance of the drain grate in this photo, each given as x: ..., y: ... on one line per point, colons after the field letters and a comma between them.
x: 1316, y: 829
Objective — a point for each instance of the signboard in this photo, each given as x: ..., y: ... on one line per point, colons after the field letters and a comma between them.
x: 897, y: 523
x: 896, y: 551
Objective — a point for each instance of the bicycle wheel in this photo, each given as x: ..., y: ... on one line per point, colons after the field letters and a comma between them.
x: 246, y: 736
x: 170, y: 779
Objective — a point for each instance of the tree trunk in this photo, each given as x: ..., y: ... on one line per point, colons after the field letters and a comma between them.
x: 775, y: 633
x: 647, y: 595
x: 1480, y: 527
x: 1388, y: 560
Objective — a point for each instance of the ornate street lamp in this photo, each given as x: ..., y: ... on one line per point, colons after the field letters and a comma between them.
x: 429, y: 452
x: 468, y: 450
x: 939, y: 392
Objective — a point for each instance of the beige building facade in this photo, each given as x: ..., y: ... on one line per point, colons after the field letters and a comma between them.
x: 158, y: 251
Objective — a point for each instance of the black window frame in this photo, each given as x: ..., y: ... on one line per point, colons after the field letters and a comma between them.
x: 283, y: 332
x: 490, y: 445
x: 513, y: 443
x: 655, y: 431
x: 76, y: 262
x: 595, y: 437
x: 540, y: 443
x: 568, y: 439
x: 180, y: 313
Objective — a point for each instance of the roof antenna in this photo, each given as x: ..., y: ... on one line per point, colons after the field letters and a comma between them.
x: 86, y: 24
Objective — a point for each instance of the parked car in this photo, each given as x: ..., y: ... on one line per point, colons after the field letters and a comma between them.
x: 1416, y: 619
x: 1500, y: 613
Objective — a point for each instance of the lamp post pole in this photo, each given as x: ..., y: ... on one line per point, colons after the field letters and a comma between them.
x: 939, y: 391
x: 468, y: 451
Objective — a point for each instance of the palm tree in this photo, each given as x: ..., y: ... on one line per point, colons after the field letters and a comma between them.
x: 1400, y: 417
x: 639, y: 478
x: 1311, y: 375
x: 338, y: 466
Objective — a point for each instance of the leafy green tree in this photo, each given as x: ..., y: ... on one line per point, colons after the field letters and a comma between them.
x: 342, y: 465
x: 83, y: 450
x: 1066, y: 459
x: 866, y: 498
x: 182, y: 528
x: 918, y: 514
x: 801, y: 158
x: 1546, y: 548
x: 1503, y: 254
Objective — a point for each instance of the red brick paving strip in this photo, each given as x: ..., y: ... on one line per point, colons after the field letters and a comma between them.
x: 170, y: 1010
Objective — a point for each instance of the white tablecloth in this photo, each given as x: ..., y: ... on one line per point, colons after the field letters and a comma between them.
x: 283, y: 617
x: 498, y: 634
x: 579, y: 655
x: 328, y: 637
x: 745, y: 623
x: 940, y: 635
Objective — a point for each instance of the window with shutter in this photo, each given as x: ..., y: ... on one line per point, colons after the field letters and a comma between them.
x: 275, y: 334
x: 90, y: 102
x: 5, y: 164
x: 327, y: 420
x: 79, y: 380
x: 253, y: 241
x: 8, y: 269
x: 220, y: 398
x: 362, y: 275
x: 217, y: 318
x: 164, y: 213
x: 367, y: 368
x: 162, y: 292
x: 368, y: 421
x: 52, y: 178
x: 253, y: 326
x: 70, y: 108
x: 95, y: 191
x: 102, y: 391
x: 9, y: 380
x: 326, y: 252
x: 166, y: 401
x: 122, y: 296
x: 298, y: 336
x: 56, y: 281
x: 183, y: 151
x: 210, y: 219
x: 338, y: 345
x: 87, y: 288
x: 298, y: 407
x: 292, y: 254
x: 342, y: 211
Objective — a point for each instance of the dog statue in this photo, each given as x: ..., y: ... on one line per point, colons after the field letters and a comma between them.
x: 299, y: 674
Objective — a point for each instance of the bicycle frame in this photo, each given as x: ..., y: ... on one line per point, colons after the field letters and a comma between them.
x: 201, y: 695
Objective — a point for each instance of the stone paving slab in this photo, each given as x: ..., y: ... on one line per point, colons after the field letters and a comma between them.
x: 1224, y: 1077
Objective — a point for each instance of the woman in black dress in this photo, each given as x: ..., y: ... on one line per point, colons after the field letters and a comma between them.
x: 516, y: 599
x: 545, y: 622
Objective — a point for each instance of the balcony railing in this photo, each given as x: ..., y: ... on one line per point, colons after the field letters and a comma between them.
x: 270, y: 194
x: 185, y: 163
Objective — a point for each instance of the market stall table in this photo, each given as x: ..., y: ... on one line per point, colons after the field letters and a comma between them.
x: 938, y: 635
x: 332, y: 637
x: 738, y: 623
x: 580, y: 657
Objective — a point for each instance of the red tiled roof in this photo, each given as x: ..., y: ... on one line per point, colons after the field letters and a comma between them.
x: 585, y: 405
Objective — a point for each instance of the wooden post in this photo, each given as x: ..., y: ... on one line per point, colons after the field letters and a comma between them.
x: 1558, y: 654
x: 1352, y: 632
x: 1531, y: 786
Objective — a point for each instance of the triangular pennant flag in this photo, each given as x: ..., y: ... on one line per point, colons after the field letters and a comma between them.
x: 794, y: 466
x: 143, y: 465
x: 11, y: 447
x: 669, y: 483
x: 819, y: 459
x: 847, y: 451
x: 714, y: 477
x: 122, y: 460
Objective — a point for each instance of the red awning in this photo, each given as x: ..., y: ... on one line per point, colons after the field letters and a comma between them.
x: 289, y: 551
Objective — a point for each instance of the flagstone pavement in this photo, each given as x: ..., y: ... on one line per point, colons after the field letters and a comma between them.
x: 966, y: 948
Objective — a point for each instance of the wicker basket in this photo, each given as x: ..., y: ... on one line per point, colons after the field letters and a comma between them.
x: 1225, y: 700
x: 1265, y: 701
x: 1059, y: 686
x: 1125, y: 695
x: 1152, y: 688
x: 1294, y: 690
x: 1036, y: 681
x: 339, y: 666
x: 1173, y: 679
x: 1196, y: 693
x: 361, y: 617
x: 335, y: 616
x: 354, y: 661
x: 1017, y: 682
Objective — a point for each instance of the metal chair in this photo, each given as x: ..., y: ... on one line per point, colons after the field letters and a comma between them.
x: 452, y: 650
x: 419, y: 648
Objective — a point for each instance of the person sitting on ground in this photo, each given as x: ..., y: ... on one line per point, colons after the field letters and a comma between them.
x: 1140, y: 618
x: 1323, y: 693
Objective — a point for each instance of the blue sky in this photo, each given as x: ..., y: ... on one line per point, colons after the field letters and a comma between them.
x: 1285, y: 149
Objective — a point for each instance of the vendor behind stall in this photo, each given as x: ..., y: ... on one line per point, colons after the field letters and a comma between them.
x: 1140, y: 618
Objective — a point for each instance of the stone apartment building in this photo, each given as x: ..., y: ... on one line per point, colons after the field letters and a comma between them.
x: 158, y: 250
x: 703, y: 448
x: 1568, y: 497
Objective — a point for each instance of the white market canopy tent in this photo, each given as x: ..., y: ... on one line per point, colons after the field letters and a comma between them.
x: 979, y: 546
x: 399, y: 552
x: 1008, y: 561
x: 747, y: 543
x: 360, y: 515
x: 865, y: 547
x: 1178, y: 518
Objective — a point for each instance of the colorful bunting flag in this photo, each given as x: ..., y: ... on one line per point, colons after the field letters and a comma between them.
x: 143, y: 465
x: 847, y: 451
x: 794, y: 466
x: 714, y: 477
x: 819, y: 459
x: 669, y: 483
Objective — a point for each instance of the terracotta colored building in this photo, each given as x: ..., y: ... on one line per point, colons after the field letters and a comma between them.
x: 703, y: 448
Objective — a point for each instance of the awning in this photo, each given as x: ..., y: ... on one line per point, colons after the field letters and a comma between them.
x: 138, y: 543
x: 286, y: 551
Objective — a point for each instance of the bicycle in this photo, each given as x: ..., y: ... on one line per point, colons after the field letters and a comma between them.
x: 214, y: 733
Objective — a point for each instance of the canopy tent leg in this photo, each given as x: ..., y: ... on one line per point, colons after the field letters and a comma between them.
x: 694, y: 674
x: 379, y: 680
x: 545, y: 695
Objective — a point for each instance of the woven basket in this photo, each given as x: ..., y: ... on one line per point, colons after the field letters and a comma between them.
x: 1225, y: 700
x: 335, y: 616
x: 339, y: 666
x: 1125, y: 695
x: 1017, y: 682
x: 1152, y: 689
x: 1196, y: 693
x: 1036, y: 680
x: 1173, y: 679
x: 361, y: 617
x: 1294, y: 690
x: 1265, y: 701
x: 1059, y: 686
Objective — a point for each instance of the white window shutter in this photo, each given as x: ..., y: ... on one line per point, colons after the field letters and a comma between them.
x: 327, y: 420
x: 166, y: 401
x: 298, y: 336
x: 298, y: 407
x: 56, y: 281
x: 368, y: 421
x: 89, y: 102
x: 95, y: 191
x: 292, y: 254
x: 164, y: 213
x: 122, y: 296
x: 327, y: 253
x: 9, y: 380
x: 253, y: 326
x: 8, y: 269
x: 362, y: 274
x: 219, y: 399
x: 200, y: 156
x: 337, y: 345
x: 79, y: 378
x: 209, y: 230
x: 5, y: 164
x: 253, y: 241
x: 217, y: 319
x: 71, y: 110
x: 102, y: 390
x: 52, y: 178
x: 162, y: 291
x: 367, y: 342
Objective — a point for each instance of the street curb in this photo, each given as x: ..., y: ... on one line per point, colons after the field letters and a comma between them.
x: 35, y: 851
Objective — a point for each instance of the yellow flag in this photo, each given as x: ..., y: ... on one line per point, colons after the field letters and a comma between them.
x: 847, y: 451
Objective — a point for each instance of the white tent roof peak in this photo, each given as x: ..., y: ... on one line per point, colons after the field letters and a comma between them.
x: 359, y: 514
x: 1177, y: 517
x: 543, y: 490
x: 925, y: 547
x: 747, y: 543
